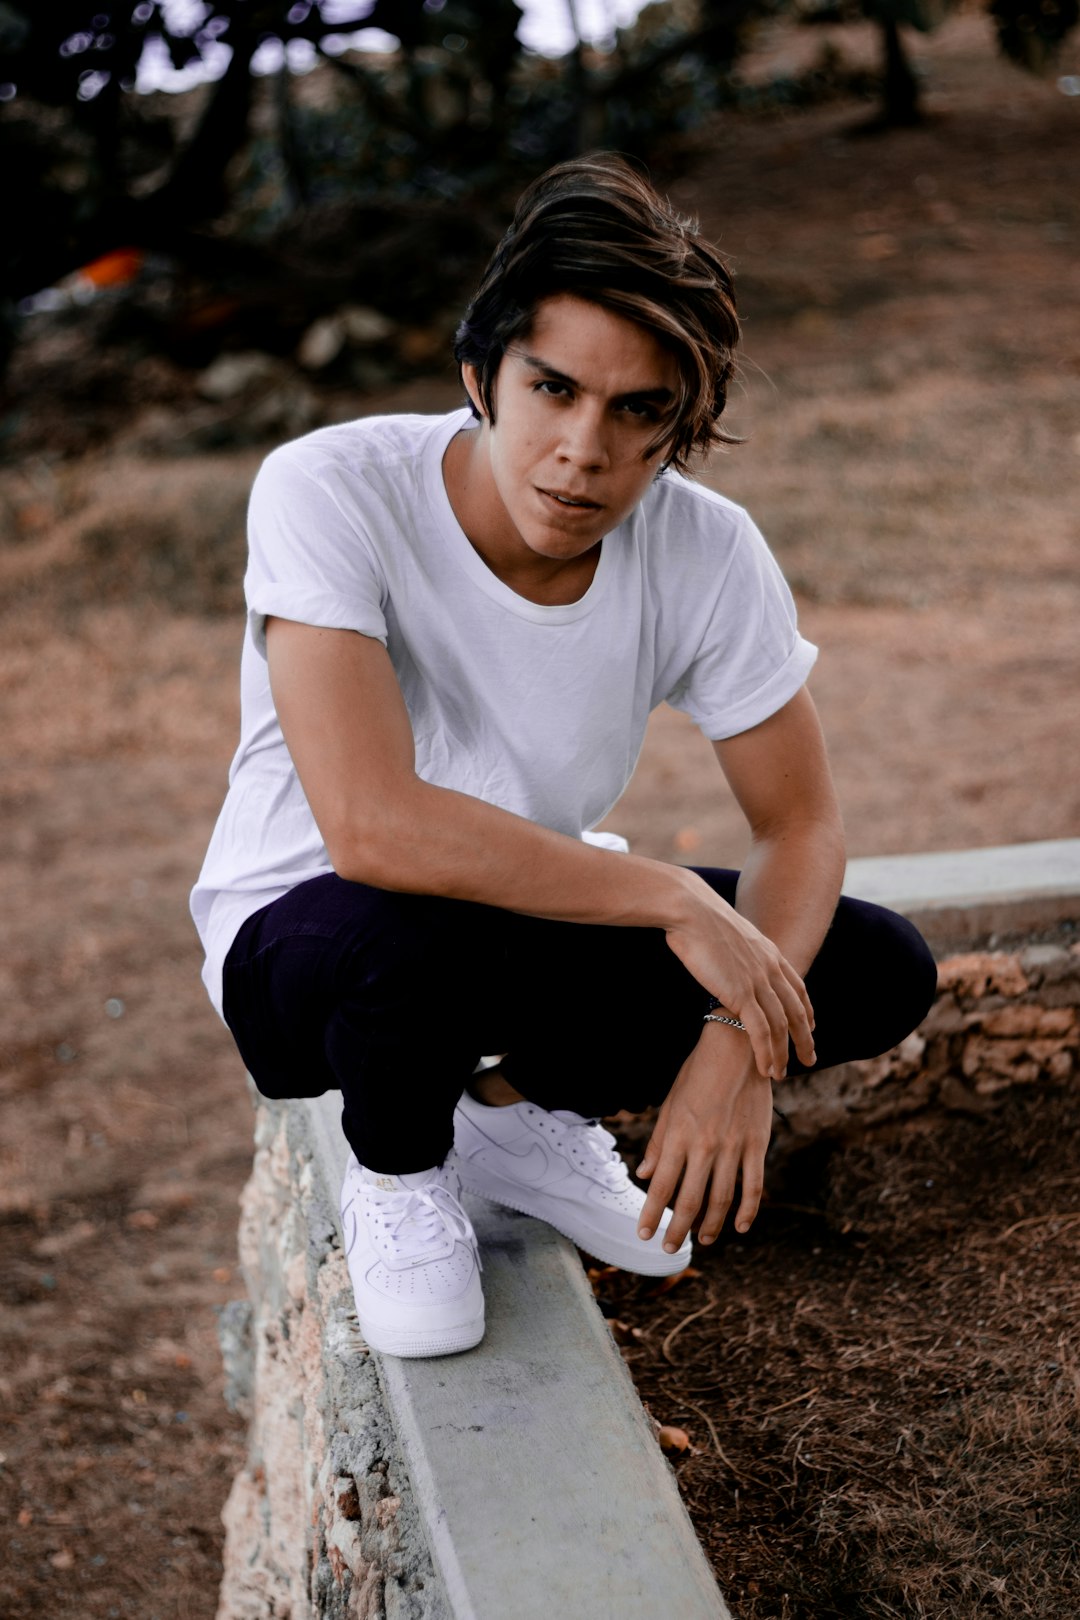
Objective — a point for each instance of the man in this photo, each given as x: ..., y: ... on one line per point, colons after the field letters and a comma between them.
x: 457, y: 629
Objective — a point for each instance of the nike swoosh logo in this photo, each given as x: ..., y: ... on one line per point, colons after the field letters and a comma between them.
x: 528, y: 1167
x: 349, y: 1227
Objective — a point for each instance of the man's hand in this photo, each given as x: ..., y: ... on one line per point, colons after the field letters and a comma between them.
x: 714, y: 1125
x: 751, y: 976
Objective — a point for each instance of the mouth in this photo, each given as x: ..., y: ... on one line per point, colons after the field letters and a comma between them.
x: 570, y: 503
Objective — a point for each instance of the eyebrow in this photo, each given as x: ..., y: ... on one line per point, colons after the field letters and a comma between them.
x: 652, y: 396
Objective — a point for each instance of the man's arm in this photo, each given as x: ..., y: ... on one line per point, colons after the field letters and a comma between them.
x: 779, y: 773
x: 716, y: 1121
x: 347, y: 729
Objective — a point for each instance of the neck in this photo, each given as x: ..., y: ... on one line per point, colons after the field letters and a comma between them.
x: 490, y: 530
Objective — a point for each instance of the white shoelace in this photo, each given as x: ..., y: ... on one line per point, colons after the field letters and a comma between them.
x: 599, y: 1145
x: 419, y: 1216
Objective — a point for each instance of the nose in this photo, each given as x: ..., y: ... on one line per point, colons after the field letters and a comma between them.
x: 584, y: 439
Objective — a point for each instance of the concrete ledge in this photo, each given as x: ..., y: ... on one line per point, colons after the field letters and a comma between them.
x: 539, y: 1483
x: 963, y: 897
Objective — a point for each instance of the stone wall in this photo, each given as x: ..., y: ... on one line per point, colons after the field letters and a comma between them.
x: 320, y: 1522
x: 1001, y: 1018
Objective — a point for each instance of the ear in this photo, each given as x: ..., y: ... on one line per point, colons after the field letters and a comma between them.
x: 471, y: 378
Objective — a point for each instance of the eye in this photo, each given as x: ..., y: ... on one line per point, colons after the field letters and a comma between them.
x: 641, y: 410
x: 551, y: 388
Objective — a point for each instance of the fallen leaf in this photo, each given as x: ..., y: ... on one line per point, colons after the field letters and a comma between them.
x: 598, y: 1275
x: 673, y: 1439
x: 666, y: 1284
x: 876, y: 248
x: 57, y: 1243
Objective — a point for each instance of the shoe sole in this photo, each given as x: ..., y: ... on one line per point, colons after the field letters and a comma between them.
x: 397, y: 1341
x: 639, y: 1257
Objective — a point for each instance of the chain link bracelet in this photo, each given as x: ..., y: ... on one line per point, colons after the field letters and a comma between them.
x: 718, y: 1018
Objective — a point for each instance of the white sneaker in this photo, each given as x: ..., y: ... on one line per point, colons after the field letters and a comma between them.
x: 564, y: 1169
x: 413, y: 1262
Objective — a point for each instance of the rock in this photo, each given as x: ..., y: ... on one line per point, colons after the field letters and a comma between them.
x: 386, y: 1511
x: 987, y: 1085
x: 231, y: 375
x: 1019, y: 1061
x: 346, y: 1500
x: 1036, y: 959
x: 237, y: 1352
x: 956, y: 1097
x: 977, y: 972
x: 944, y: 1017
x: 364, y: 325
x: 343, y: 1548
x: 1029, y: 1020
x: 321, y: 343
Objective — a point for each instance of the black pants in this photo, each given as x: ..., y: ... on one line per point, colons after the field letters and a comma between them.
x: 393, y: 999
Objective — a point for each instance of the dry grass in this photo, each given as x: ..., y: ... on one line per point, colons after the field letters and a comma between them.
x: 883, y: 1382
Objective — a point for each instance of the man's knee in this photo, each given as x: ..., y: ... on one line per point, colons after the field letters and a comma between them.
x: 876, y: 975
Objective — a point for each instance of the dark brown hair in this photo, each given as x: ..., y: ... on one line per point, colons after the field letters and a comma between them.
x: 596, y: 228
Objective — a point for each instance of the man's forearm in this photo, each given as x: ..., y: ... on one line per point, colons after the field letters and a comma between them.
x: 790, y: 885
x: 433, y: 840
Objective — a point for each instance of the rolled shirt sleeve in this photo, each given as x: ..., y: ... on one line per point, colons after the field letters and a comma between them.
x: 308, y: 557
x: 751, y: 659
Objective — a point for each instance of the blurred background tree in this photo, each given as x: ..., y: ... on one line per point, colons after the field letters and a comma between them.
x: 266, y: 202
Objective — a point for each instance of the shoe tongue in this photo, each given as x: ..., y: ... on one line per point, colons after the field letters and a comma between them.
x: 419, y: 1178
x: 405, y: 1183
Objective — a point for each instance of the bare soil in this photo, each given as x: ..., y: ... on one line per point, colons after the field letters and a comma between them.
x: 881, y: 1386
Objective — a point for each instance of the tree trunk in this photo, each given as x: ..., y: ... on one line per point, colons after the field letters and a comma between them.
x: 900, y: 86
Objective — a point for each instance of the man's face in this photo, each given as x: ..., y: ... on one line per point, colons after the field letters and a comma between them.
x: 577, y: 401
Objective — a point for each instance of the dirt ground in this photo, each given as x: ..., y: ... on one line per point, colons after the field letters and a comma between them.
x: 890, y: 1378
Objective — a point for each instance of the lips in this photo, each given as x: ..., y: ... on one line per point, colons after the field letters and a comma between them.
x: 570, y: 502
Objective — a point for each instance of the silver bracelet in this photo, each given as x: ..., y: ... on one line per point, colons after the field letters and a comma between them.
x: 716, y: 1018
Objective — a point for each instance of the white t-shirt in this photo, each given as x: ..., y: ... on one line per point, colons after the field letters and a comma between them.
x: 539, y: 709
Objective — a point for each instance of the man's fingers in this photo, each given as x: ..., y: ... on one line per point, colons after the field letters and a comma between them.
x: 778, y: 1012
x: 804, y: 996
x: 690, y: 1199
x: 760, y: 1036
x: 661, y: 1189
x: 800, y: 1014
x: 723, y: 1191
x: 753, y: 1185
x: 651, y: 1157
x: 766, y: 1021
